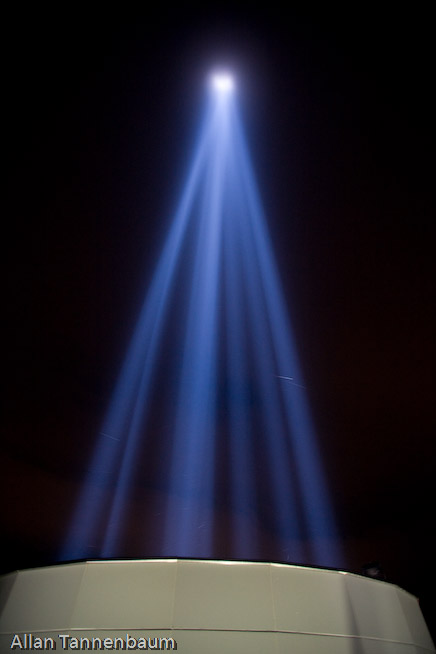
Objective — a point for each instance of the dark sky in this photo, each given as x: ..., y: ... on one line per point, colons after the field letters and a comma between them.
x: 102, y: 114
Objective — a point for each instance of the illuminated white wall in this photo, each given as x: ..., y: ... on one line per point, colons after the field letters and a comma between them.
x: 213, y: 606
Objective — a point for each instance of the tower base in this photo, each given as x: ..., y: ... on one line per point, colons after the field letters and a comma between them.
x: 198, y: 606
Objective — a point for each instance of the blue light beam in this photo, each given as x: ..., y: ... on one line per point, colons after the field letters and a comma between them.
x: 238, y: 440
x: 115, y: 449
x: 318, y: 515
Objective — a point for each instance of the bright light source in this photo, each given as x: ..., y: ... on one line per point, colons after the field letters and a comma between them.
x: 222, y: 82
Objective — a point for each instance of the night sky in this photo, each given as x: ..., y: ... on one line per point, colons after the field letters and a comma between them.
x: 102, y: 116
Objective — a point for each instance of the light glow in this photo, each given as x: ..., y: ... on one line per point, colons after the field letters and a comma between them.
x: 222, y: 82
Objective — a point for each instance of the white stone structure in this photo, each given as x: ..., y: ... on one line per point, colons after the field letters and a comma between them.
x: 207, y: 607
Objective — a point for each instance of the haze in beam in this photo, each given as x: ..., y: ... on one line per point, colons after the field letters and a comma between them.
x: 226, y: 433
